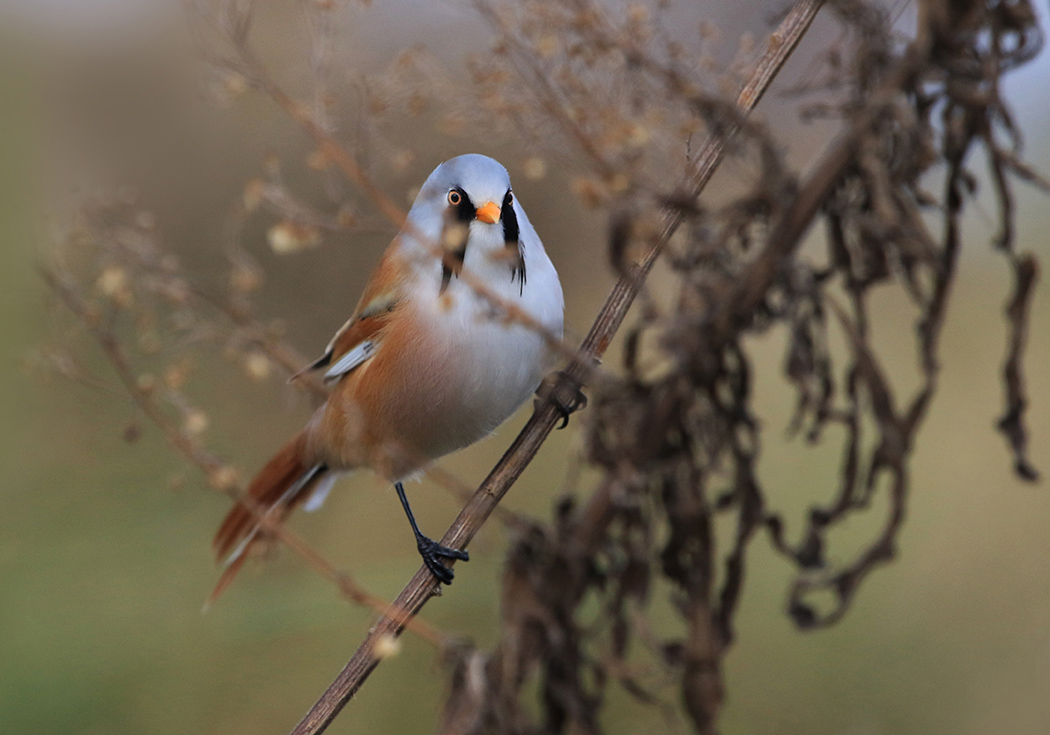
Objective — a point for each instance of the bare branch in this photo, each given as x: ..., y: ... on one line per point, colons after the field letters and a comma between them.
x: 216, y: 471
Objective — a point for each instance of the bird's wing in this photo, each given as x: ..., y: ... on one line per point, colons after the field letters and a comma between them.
x: 358, y: 339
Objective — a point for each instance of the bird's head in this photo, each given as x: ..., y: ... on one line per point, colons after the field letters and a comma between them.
x: 467, y: 203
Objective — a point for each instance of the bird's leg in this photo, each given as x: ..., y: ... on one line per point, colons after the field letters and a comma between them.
x: 565, y: 393
x: 431, y: 551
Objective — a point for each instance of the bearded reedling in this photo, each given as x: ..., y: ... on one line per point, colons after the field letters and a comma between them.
x: 422, y: 368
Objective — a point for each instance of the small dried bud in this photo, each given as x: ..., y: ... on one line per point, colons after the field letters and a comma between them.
x: 376, y: 105
x: 176, y: 375
x: 244, y: 277
x: 689, y: 128
x: 589, y: 191
x: 113, y: 284
x: 258, y: 366
x: 346, y: 218
x: 452, y: 124
x: 195, y: 422
x: 637, y: 135
x: 638, y: 13
x: 146, y: 383
x: 177, y: 291
x: 534, y: 168
x: 547, y: 45
x: 619, y: 183
x: 402, y: 159
x: 454, y: 237
x: 386, y: 646
x: 417, y: 104
x: 254, y: 193
x: 406, y: 61
x: 223, y: 478
x: 235, y: 84
x: 289, y: 237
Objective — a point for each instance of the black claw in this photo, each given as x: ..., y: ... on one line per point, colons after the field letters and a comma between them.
x: 432, y: 553
x: 564, y: 417
x: 566, y: 405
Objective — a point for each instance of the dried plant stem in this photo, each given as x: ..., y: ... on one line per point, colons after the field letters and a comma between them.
x: 423, y: 585
x: 350, y: 167
x: 210, y: 465
x: 278, y: 350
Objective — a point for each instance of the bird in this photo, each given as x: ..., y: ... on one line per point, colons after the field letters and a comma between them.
x: 426, y: 365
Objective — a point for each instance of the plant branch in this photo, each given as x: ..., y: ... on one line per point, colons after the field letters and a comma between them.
x: 423, y: 585
x: 212, y: 466
x: 350, y: 167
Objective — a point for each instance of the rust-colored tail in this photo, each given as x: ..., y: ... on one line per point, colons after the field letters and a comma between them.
x: 282, y: 484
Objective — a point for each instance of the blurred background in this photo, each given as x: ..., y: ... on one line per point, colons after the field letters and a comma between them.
x: 105, y: 544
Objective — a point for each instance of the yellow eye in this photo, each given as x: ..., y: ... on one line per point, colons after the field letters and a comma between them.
x: 454, y: 198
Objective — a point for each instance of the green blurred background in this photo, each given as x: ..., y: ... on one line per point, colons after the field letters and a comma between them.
x: 104, y: 561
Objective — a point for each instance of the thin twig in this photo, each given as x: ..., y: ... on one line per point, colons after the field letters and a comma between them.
x: 211, y: 465
x: 424, y: 585
x: 346, y: 162
x: 277, y: 350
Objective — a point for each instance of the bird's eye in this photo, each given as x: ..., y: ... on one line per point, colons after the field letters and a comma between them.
x: 510, y: 198
x: 454, y: 198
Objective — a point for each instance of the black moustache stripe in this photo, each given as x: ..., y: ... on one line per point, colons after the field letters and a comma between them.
x: 511, y: 233
x: 457, y: 256
x: 462, y: 214
x: 465, y: 210
x: 512, y: 239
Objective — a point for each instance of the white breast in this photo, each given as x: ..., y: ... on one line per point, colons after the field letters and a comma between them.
x: 496, y: 364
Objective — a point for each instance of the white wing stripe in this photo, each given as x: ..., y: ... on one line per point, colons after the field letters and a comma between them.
x: 320, y: 492
x: 282, y: 501
x: 350, y: 360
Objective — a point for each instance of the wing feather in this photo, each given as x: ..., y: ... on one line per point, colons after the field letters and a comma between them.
x: 360, y: 337
x: 351, y: 359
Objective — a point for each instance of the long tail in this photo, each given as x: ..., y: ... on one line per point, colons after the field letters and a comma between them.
x: 282, y: 484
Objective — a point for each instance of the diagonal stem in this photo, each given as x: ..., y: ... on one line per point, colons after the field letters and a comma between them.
x: 423, y: 586
x: 210, y: 464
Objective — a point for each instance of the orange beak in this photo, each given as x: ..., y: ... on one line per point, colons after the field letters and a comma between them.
x: 489, y: 214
